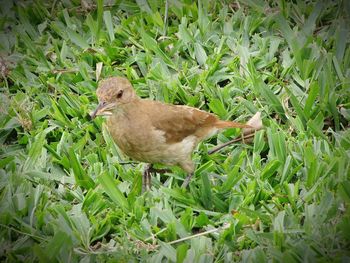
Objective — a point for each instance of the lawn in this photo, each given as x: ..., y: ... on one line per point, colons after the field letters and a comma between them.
x: 68, y: 194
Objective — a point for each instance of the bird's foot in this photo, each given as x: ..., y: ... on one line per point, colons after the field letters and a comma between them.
x: 146, y: 176
x: 160, y: 171
x: 187, y: 180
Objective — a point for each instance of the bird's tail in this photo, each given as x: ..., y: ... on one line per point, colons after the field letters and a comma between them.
x: 231, y: 124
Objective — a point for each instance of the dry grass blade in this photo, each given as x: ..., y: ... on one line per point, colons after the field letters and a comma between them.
x: 99, y: 66
x: 225, y: 226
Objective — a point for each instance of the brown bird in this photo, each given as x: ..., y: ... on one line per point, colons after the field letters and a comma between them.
x: 154, y: 132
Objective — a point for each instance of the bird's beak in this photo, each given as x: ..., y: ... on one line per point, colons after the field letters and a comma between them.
x: 101, y: 107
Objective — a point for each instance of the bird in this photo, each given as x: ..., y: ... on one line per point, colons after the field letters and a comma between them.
x: 154, y: 132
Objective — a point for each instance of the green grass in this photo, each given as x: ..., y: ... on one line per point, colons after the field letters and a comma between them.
x: 67, y: 193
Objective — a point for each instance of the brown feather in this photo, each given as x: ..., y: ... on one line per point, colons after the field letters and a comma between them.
x: 179, y: 122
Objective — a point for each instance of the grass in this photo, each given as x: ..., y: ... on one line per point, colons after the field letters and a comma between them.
x: 68, y: 194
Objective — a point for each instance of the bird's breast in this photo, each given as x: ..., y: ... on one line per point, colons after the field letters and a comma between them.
x: 135, y: 137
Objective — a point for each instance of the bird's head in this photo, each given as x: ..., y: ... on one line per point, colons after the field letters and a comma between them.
x: 111, y: 93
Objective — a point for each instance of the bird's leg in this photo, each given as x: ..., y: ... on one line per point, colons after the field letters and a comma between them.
x: 146, y: 178
x: 187, y: 180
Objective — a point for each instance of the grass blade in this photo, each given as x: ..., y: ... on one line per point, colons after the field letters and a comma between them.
x: 107, y: 17
x: 81, y: 178
x: 109, y: 186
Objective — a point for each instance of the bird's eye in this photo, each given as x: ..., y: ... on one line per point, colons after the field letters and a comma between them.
x: 119, y: 94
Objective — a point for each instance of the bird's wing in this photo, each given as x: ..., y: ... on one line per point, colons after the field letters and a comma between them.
x: 178, y: 122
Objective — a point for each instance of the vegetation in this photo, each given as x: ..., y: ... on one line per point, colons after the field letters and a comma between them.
x: 67, y: 194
